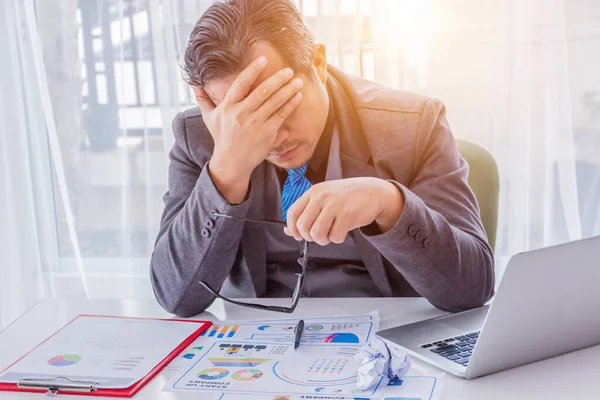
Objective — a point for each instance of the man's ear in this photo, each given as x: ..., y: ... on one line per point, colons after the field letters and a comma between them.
x: 203, y: 99
x: 320, y: 61
x: 199, y: 92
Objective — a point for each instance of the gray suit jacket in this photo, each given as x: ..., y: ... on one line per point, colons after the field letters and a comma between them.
x: 438, y: 249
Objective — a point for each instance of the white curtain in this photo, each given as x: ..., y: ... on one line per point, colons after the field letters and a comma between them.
x: 518, y: 78
x: 27, y: 231
x: 89, y: 89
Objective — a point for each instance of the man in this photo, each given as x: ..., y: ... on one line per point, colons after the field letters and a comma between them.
x: 372, y: 176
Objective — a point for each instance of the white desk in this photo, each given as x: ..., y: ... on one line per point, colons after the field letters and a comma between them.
x: 572, y: 376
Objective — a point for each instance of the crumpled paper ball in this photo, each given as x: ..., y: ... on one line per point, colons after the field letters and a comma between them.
x: 377, y: 360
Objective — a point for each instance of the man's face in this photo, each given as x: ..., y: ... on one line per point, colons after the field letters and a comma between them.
x: 298, y: 136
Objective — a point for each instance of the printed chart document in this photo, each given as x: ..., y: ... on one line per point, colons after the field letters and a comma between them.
x: 273, y: 368
x: 418, y: 387
x: 317, y: 333
x: 258, y: 358
x: 114, y: 352
x: 351, y: 330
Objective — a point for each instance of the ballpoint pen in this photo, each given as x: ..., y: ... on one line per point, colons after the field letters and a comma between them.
x: 298, y: 333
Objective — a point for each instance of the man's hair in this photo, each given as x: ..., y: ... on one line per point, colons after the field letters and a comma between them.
x: 222, y: 40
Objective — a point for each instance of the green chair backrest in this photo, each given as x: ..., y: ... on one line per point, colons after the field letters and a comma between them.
x: 485, y: 182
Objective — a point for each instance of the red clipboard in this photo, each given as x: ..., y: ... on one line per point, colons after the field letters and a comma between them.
x: 127, y: 392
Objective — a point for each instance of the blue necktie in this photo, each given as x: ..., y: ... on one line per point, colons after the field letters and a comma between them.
x: 295, y: 185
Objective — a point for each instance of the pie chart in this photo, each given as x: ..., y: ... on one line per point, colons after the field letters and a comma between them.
x: 213, y: 373
x: 249, y: 374
x: 64, y: 360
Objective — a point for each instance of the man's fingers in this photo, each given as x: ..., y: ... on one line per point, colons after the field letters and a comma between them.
x: 321, y: 227
x: 279, y: 99
x: 203, y: 99
x: 268, y: 89
x: 275, y: 121
x: 307, y: 219
x: 241, y: 85
x: 293, y: 213
x: 338, y: 231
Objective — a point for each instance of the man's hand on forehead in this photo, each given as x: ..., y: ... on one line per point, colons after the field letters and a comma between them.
x: 245, y: 122
x: 217, y: 98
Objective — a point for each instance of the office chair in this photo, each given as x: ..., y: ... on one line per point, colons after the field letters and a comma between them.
x: 485, y: 182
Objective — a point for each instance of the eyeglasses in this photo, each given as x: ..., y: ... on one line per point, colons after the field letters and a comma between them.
x: 303, y: 261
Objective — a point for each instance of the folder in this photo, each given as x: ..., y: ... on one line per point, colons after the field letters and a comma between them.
x: 32, y: 370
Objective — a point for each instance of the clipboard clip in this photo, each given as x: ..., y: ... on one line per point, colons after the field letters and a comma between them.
x: 53, y: 386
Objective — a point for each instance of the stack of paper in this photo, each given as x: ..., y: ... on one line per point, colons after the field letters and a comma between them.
x: 235, y: 360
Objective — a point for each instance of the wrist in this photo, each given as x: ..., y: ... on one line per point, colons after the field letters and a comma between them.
x: 227, y: 171
x: 233, y: 185
x: 391, y: 206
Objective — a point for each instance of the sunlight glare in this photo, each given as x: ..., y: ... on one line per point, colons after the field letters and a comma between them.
x: 407, y: 26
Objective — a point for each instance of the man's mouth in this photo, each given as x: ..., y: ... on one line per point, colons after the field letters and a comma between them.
x: 284, y: 155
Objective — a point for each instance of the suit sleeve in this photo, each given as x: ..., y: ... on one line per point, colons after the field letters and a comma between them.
x: 439, y: 244
x: 191, y: 246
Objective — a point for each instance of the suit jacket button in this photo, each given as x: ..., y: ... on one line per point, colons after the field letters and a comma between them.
x: 420, y: 235
x: 205, y: 232
x: 426, y: 242
x: 212, y: 216
x: 209, y: 223
x: 412, y: 230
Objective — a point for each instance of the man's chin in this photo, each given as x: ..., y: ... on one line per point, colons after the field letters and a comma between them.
x: 293, y: 163
x: 290, y: 164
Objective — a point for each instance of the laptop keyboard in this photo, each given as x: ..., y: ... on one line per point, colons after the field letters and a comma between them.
x: 457, y: 349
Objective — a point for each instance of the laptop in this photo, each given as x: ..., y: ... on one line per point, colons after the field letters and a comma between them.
x: 547, y: 304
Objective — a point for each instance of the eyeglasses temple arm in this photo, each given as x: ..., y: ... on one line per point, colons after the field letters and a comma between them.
x: 253, y: 305
x: 261, y: 306
x: 264, y: 221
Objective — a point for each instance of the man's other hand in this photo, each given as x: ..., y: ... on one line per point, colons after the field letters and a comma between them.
x: 329, y: 210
